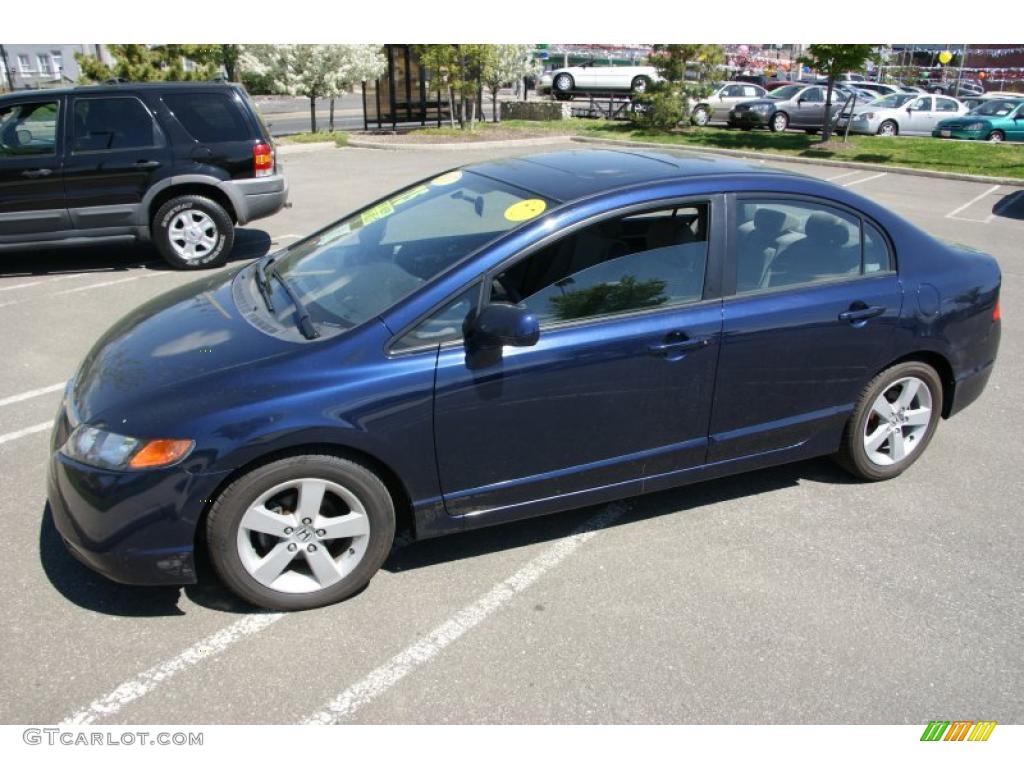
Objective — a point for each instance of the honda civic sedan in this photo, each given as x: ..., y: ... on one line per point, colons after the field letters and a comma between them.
x: 507, y: 340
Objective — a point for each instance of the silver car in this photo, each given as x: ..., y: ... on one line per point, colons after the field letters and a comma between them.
x: 567, y: 81
x: 917, y: 116
x: 715, y: 108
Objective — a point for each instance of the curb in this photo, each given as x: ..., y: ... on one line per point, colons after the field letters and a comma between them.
x: 459, y: 145
x: 309, y: 146
x: 779, y: 157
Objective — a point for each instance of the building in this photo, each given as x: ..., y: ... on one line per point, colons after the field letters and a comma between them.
x: 43, y: 65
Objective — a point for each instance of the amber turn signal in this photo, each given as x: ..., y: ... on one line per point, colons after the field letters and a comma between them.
x: 158, y: 453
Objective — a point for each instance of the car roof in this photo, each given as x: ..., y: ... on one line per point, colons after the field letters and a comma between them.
x: 569, y: 175
x: 166, y: 85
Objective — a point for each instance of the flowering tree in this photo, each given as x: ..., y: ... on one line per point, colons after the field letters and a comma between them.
x: 314, y: 71
x: 506, y: 63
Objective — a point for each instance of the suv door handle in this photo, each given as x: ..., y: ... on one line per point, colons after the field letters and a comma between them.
x: 858, y: 314
x: 147, y: 164
x: 676, y: 348
x: 37, y: 173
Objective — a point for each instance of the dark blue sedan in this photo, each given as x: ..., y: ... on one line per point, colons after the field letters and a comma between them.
x: 507, y: 340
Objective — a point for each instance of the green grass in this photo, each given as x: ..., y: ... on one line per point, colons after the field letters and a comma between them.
x: 339, y: 138
x: 975, y: 158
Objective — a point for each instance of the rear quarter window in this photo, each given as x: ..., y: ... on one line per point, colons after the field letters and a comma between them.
x: 209, y: 117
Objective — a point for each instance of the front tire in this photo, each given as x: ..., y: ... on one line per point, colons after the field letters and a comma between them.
x: 895, y: 419
x: 564, y: 84
x: 780, y: 122
x: 193, y: 232
x: 640, y: 84
x: 996, y: 137
x: 888, y: 128
x: 700, y: 117
x: 301, y: 532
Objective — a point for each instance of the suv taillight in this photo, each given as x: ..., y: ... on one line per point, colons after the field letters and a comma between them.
x: 996, y: 314
x: 262, y: 160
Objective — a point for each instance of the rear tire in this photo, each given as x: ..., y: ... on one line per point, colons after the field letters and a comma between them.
x: 895, y: 419
x: 193, y: 232
x: 996, y: 137
x: 263, y: 515
x: 700, y: 116
x: 640, y: 84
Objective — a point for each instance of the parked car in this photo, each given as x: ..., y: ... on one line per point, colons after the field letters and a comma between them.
x: 892, y: 101
x: 879, y: 89
x: 995, y: 120
x: 797, y: 106
x: 716, y: 107
x: 544, y: 83
x: 918, y: 116
x: 180, y: 164
x: 567, y: 81
x: 507, y: 340
x: 965, y: 87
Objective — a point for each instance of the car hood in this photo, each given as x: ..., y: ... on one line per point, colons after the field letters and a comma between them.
x: 172, y: 341
x: 962, y: 121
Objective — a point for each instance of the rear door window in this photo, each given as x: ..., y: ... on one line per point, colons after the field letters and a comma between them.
x: 121, y: 122
x: 209, y: 117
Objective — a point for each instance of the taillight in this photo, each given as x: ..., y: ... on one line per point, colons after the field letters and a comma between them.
x: 995, y: 312
x: 262, y: 160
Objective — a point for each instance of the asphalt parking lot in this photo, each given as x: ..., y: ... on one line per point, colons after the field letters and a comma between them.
x: 791, y: 595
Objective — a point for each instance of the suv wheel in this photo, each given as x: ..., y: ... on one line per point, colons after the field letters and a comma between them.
x: 893, y: 422
x: 193, y: 232
x: 301, y: 532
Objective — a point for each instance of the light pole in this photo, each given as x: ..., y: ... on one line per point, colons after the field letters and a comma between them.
x: 7, y: 68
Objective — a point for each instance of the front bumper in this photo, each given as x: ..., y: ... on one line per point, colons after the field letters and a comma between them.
x: 257, y: 198
x: 132, y: 527
x: 960, y: 133
x: 749, y: 119
x: 860, y: 125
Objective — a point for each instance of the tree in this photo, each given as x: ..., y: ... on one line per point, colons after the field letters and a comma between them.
x: 687, y: 72
x: 505, y: 64
x: 143, y: 63
x: 832, y: 61
x: 459, y: 70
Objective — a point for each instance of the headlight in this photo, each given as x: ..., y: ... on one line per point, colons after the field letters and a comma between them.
x: 975, y: 126
x: 108, y: 450
x: 761, y: 107
x: 865, y: 116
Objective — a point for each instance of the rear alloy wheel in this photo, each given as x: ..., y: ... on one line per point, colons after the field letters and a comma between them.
x: 301, y: 532
x: 193, y: 232
x: 893, y: 422
x: 780, y: 122
x: 700, y: 116
x: 996, y: 136
x: 564, y: 83
x: 888, y: 128
x: 639, y: 84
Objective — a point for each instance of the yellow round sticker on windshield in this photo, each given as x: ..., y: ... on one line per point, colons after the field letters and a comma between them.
x: 446, y: 178
x: 525, y: 209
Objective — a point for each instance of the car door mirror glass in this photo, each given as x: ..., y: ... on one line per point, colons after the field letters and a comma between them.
x: 24, y: 136
x: 501, y: 324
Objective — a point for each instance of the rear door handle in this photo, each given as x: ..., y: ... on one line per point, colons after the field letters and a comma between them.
x: 147, y: 164
x: 860, y: 314
x: 674, y: 348
x: 37, y: 173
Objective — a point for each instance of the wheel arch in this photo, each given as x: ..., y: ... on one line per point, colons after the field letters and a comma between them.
x: 404, y: 517
x: 942, y: 366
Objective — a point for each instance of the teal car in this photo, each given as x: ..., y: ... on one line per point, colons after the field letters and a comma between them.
x: 995, y: 120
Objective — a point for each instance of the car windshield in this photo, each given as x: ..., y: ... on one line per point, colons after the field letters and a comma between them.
x: 893, y: 100
x: 356, y: 268
x: 995, y: 108
x: 786, y: 92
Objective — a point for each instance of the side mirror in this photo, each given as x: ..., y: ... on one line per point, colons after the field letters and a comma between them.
x: 500, y: 325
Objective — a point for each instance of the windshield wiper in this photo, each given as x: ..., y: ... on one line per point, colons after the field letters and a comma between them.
x: 302, y: 317
x: 263, y: 283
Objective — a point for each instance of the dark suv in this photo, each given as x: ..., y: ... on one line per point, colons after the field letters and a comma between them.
x: 176, y: 163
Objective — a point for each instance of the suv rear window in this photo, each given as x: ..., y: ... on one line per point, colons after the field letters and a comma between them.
x: 209, y: 116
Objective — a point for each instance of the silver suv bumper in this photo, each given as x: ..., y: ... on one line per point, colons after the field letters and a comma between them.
x: 256, y: 198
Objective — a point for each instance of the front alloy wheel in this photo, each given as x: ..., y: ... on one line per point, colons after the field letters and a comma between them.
x: 780, y: 122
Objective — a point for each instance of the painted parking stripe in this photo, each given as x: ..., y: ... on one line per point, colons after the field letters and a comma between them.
x: 143, y: 683
x: 21, y: 285
x: 861, y: 181
x: 843, y: 175
x: 6, y: 438
x: 380, y: 680
x: 953, y: 214
x: 31, y: 393
x: 94, y: 285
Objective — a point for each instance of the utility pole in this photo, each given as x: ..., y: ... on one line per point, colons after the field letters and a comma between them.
x: 7, y: 68
x: 960, y: 72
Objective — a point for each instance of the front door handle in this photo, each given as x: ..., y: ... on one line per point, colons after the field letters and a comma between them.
x: 677, y: 347
x: 147, y: 164
x: 37, y: 173
x: 859, y: 313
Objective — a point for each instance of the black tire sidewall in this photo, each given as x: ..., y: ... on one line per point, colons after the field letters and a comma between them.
x: 227, y: 511
x: 853, y: 456
x: 174, y: 206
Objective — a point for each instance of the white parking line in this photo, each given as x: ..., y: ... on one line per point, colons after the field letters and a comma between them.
x: 843, y: 175
x: 389, y: 674
x: 861, y: 181
x: 31, y: 393
x: 953, y: 214
x: 6, y: 438
x: 21, y: 285
x: 95, y: 285
x: 146, y: 681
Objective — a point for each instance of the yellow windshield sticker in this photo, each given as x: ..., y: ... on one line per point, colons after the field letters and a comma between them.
x: 447, y: 178
x: 525, y: 209
x: 377, y: 212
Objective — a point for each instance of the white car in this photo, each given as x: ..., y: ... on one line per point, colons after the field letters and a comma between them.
x: 716, y: 106
x: 916, y: 116
x: 567, y: 81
